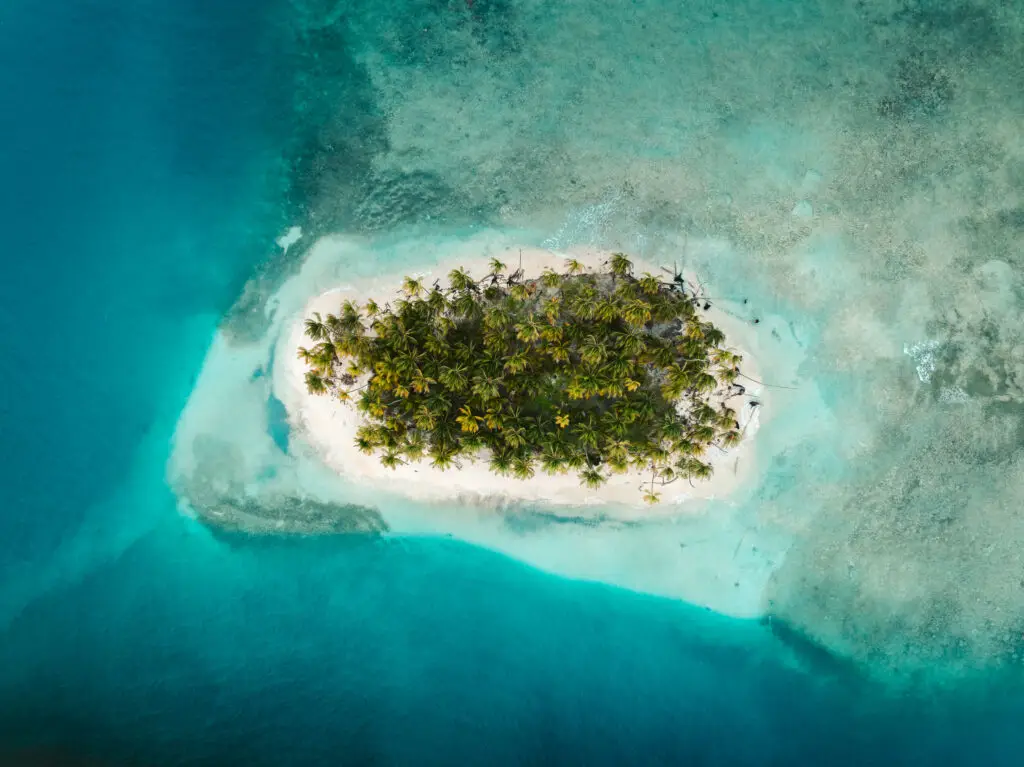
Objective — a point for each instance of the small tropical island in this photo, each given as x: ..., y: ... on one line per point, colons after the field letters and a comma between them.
x: 594, y: 373
x: 529, y: 409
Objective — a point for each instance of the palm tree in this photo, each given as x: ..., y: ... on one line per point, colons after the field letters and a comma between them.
x: 316, y: 328
x: 713, y: 336
x: 575, y: 459
x: 625, y: 291
x: 660, y: 353
x: 575, y: 389
x: 612, y: 426
x: 485, y: 388
x: 443, y: 458
x: 550, y: 278
x: 467, y: 421
x: 551, y: 459
x: 315, y: 384
x: 587, y: 434
x: 552, y: 308
x: 607, y: 310
x: 412, y: 287
x: 731, y: 438
x: 421, y: 383
x: 705, y: 382
x: 415, y: 447
x: 676, y: 383
x: 351, y: 320
x: 621, y: 266
x: 593, y: 352
x: 559, y: 351
x: 460, y: 281
x: 465, y: 304
x: 514, y: 436
x: 425, y: 417
x: 618, y: 464
x: 391, y: 459
x: 498, y: 317
x: 592, y: 478
x: 501, y: 463
x: 729, y: 375
x: 637, y: 312
x: 617, y: 448
x: 522, y: 467
x: 530, y: 330
x: 619, y: 367
x: 693, y: 468
x: 518, y: 362
x: 649, y: 284
x: 694, y: 331
x: 630, y: 341
x: 574, y: 267
x: 436, y: 346
x: 520, y: 292
x: 437, y: 302
x: 454, y: 377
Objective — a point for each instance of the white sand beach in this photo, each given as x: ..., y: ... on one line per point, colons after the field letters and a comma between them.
x: 330, y: 425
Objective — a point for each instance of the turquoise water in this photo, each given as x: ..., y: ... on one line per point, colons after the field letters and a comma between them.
x: 145, y: 187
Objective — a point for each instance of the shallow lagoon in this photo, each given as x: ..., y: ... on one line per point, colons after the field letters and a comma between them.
x: 134, y: 633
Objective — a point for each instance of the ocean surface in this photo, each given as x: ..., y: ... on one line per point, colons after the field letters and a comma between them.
x: 153, y: 151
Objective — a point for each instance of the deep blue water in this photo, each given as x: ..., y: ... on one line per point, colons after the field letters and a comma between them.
x: 140, y: 159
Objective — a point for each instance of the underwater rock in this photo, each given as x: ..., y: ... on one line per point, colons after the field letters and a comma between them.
x: 216, y: 492
x: 288, y: 514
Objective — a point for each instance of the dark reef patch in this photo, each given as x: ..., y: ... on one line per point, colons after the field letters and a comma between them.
x: 818, y: 658
x: 393, y: 199
x: 334, y: 160
x: 528, y: 518
x: 282, y: 515
x: 962, y: 27
x: 337, y: 131
x: 922, y: 87
x: 217, y: 492
x: 497, y: 28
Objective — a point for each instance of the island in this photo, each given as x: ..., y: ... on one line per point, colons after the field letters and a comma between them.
x: 550, y: 377
x: 541, y: 472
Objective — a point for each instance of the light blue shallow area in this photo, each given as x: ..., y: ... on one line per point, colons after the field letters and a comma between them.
x: 141, y: 180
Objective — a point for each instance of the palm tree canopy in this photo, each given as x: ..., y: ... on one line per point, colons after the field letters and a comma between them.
x: 589, y: 371
x: 620, y: 265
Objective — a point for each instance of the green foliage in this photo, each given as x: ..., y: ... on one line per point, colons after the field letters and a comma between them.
x: 591, y: 372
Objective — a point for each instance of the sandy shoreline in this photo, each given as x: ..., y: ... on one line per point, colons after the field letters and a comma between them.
x: 329, y: 426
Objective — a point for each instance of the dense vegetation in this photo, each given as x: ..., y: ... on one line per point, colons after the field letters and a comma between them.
x: 592, y: 372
